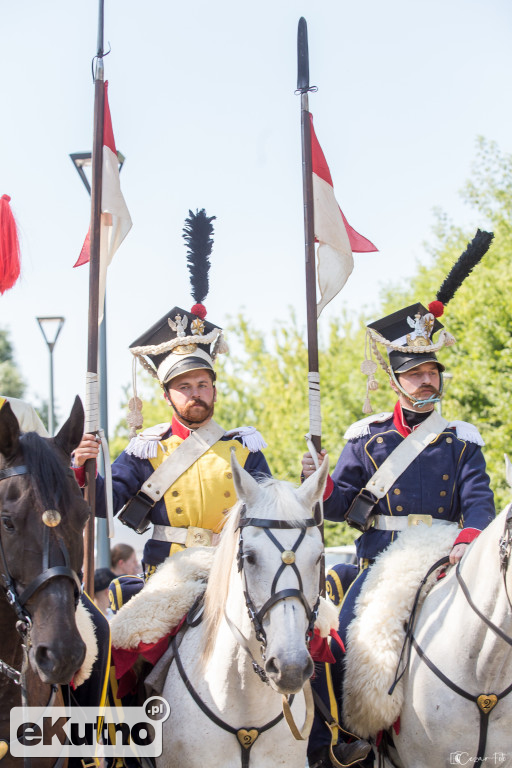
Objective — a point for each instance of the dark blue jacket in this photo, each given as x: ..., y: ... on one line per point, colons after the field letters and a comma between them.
x: 447, y: 480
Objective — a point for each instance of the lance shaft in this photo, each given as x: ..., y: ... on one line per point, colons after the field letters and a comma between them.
x: 309, y: 242
x: 303, y: 87
x: 92, y: 423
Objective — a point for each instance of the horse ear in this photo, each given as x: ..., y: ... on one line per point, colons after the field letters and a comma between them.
x: 9, y: 432
x: 312, y: 489
x: 246, y: 487
x: 508, y: 470
x: 70, y: 434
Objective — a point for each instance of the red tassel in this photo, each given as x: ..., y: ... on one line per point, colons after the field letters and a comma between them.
x: 9, y: 246
x: 436, y: 307
x: 199, y: 310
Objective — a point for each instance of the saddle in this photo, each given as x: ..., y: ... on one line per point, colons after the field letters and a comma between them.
x: 376, y: 634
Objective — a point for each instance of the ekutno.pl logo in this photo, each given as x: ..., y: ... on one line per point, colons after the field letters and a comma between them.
x: 89, y: 732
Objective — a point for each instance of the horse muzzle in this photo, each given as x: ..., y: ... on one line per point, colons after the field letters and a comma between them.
x: 287, y: 673
x: 55, y: 664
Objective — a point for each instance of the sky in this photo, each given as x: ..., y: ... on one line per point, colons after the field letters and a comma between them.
x: 203, y: 107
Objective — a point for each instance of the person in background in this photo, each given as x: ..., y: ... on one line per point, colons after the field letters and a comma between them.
x: 123, y: 560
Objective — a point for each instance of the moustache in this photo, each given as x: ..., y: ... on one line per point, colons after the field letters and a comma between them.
x: 419, y: 393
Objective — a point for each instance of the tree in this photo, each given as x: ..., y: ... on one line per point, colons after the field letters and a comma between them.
x: 11, y: 382
x: 265, y: 382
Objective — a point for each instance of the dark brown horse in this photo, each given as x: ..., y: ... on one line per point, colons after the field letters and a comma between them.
x: 41, y: 550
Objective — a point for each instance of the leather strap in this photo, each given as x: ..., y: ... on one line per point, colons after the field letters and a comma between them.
x: 187, y: 453
x: 404, y: 454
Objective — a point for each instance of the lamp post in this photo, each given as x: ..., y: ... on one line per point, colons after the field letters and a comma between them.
x: 50, y: 328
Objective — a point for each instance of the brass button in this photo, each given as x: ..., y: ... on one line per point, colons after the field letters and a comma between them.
x: 229, y: 475
x: 227, y: 494
x: 442, y: 493
x: 440, y: 509
x: 399, y: 508
x: 175, y: 493
x: 449, y: 440
x: 397, y: 491
x: 446, y: 477
x: 179, y: 510
x: 380, y: 439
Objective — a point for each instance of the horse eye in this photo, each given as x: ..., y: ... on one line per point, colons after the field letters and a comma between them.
x: 8, y: 524
x: 250, y: 558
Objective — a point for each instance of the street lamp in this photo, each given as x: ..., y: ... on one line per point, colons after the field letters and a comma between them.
x: 50, y: 328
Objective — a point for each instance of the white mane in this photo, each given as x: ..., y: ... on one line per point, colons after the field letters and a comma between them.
x: 277, y: 500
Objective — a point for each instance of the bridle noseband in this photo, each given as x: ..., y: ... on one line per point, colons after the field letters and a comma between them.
x: 288, y: 560
x: 18, y: 602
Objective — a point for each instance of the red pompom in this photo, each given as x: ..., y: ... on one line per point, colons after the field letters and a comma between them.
x: 199, y: 310
x: 9, y: 246
x: 436, y: 307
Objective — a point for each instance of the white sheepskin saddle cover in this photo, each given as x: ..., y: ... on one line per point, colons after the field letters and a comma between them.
x: 164, y: 600
x: 85, y: 626
x: 171, y: 592
x: 376, y: 634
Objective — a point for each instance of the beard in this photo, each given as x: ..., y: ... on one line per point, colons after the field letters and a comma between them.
x: 194, y: 412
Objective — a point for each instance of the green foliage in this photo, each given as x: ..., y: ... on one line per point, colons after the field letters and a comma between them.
x: 11, y: 382
x: 264, y: 380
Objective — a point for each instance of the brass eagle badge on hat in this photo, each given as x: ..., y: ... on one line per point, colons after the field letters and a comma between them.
x: 407, y: 334
x: 181, y: 341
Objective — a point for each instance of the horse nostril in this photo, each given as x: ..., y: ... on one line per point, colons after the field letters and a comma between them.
x: 44, y: 657
x: 272, y: 666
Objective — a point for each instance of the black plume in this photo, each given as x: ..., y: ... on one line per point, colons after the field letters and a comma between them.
x: 476, y: 249
x: 197, y: 234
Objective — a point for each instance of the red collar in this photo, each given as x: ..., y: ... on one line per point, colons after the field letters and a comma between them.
x: 399, y: 421
x: 179, y: 429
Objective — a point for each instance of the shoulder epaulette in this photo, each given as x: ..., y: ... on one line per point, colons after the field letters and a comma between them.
x: 361, y: 428
x: 467, y: 432
x: 250, y: 437
x: 145, y: 444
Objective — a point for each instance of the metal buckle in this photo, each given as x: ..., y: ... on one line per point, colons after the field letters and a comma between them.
x: 419, y: 519
x: 198, y: 537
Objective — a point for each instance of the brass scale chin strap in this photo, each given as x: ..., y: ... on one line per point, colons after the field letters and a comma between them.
x: 484, y: 701
x: 247, y: 736
x: 18, y: 602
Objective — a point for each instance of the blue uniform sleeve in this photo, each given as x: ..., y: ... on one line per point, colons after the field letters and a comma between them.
x: 475, y: 498
x: 129, y: 473
x: 349, y: 476
x: 256, y: 465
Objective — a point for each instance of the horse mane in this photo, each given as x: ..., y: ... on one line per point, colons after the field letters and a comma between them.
x: 48, y: 474
x: 278, y: 500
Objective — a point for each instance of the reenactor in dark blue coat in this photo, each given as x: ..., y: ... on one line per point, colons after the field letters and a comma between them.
x: 444, y: 484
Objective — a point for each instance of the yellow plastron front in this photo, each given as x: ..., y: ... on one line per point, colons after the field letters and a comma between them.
x: 205, y: 492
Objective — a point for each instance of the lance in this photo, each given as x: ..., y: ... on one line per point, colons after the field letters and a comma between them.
x: 92, y: 384
x: 315, y: 422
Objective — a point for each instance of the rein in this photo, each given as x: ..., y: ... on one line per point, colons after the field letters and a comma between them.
x: 484, y: 701
x: 18, y: 602
x: 247, y: 736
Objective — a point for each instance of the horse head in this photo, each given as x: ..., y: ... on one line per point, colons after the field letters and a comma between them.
x: 279, y: 556
x: 41, y: 543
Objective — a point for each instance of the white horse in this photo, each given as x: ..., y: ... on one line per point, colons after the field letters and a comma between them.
x: 458, y: 686
x: 251, y: 647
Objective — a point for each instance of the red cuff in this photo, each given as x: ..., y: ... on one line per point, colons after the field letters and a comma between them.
x: 466, y: 536
x: 79, y: 475
x: 328, y: 487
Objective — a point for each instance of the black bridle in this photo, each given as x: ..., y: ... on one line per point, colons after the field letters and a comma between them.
x: 484, y: 702
x: 288, y: 560
x: 19, y: 601
x: 247, y: 736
